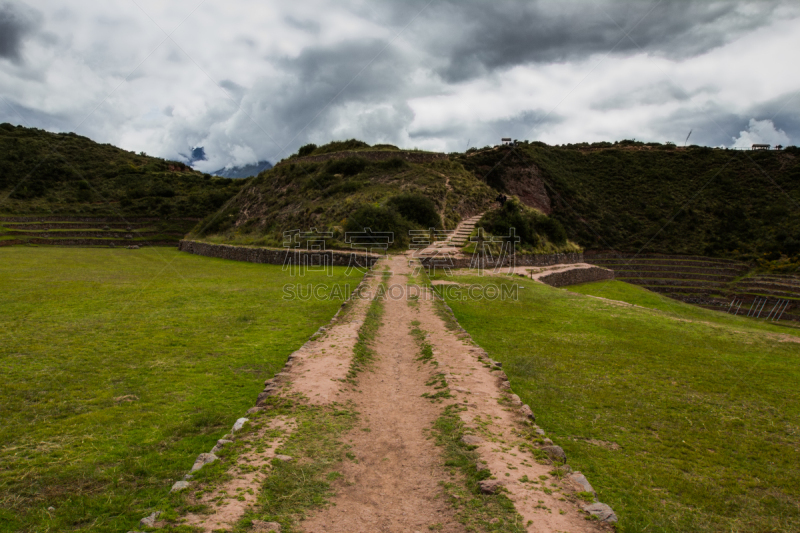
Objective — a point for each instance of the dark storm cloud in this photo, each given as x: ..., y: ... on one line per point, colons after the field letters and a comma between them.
x: 322, y: 79
x: 16, y: 23
x: 483, y: 37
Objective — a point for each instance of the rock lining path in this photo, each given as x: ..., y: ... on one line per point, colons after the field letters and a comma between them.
x: 396, y: 483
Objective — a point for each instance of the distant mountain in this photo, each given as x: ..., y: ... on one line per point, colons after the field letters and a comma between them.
x: 243, y: 172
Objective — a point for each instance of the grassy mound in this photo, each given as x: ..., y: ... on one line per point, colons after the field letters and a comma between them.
x: 348, y: 194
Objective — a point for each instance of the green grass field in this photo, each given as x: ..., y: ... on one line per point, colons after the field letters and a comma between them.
x: 189, y: 339
x: 683, y: 419
x: 636, y: 295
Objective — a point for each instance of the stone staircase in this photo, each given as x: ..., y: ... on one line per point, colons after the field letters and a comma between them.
x: 455, y: 241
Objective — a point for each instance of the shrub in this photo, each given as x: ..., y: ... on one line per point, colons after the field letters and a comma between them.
x: 416, y: 208
x: 306, y: 149
x: 379, y: 219
x: 349, y: 166
x: 528, y: 224
x: 393, y: 164
x: 340, y: 146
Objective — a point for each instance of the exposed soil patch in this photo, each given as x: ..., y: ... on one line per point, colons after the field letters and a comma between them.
x: 392, y: 481
x: 230, y: 500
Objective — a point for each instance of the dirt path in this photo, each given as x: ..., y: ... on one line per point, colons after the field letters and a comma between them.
x: 394, y: 479
x: 394, y: 485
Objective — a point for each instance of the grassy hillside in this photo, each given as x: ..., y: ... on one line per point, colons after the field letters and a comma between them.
x: 66, y: 174
x: 683, y: 419
x: 326, y: 194
x: 657, y: 198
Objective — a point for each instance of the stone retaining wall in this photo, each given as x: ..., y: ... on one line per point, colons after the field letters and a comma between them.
x: 99, y: 234
x: 72, y: 226
x: 377, y: 155
x: 273, y: 256
x: 666, y: 273
x: 488, y: 263
x: 97, y: 242
x: 591, y: 255
x: 577, y: 275
x: 669, y: 265
x: 46, y: 218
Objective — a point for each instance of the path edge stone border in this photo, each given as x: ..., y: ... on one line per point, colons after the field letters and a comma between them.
x: 601, y: 511
x: 271, y: 387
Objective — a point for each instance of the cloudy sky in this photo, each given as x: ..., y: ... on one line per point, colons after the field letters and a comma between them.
x: 254, y: 79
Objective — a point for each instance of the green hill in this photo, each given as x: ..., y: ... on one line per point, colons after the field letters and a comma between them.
x: 348, y: 185
x: 653, y: 198
x: 66, y: 174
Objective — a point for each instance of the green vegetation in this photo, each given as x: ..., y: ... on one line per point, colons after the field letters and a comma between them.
x: 363, y: 351
x: 48, y: 173
x: 350, y: 145
x: 293, y: 488
x: 632, y: 294
x: 682, y: 419
x: 477, y: 511
x: 537, y: 232
x: 658, y: 198
x: 121, y: 366
x: 348, y: 194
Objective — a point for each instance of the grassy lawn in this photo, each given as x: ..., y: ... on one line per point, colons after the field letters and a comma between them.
x: 634, y: 294
x: 683, y: 419
x: 188, y: 339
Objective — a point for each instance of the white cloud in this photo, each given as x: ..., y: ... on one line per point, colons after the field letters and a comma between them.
x: 254, y: 79
x: 760, y: 132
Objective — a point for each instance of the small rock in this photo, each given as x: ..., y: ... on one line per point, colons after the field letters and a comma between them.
x: 528, y: 413
x: 51, y: 508
x: 505, y: 385
x: 548, y: 442
x: 284, y: 458
x: 579, y: 480
x: 254, y: 410
x: 556, y: 452
x: 262, y: 397
x: 187, y: 477
x: 602, y: 511
x: 150, y: 521
x: 259, y: 526
x: 490, y: 486
x: 202, y: 460
x: 539, y: 431
x: 498, y: 364
x: 501, y: 376
x: 471, y: 439
x: 239, y: 424
x: 179, y: 486
x: 220, y: 444
x: 515, y: 400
